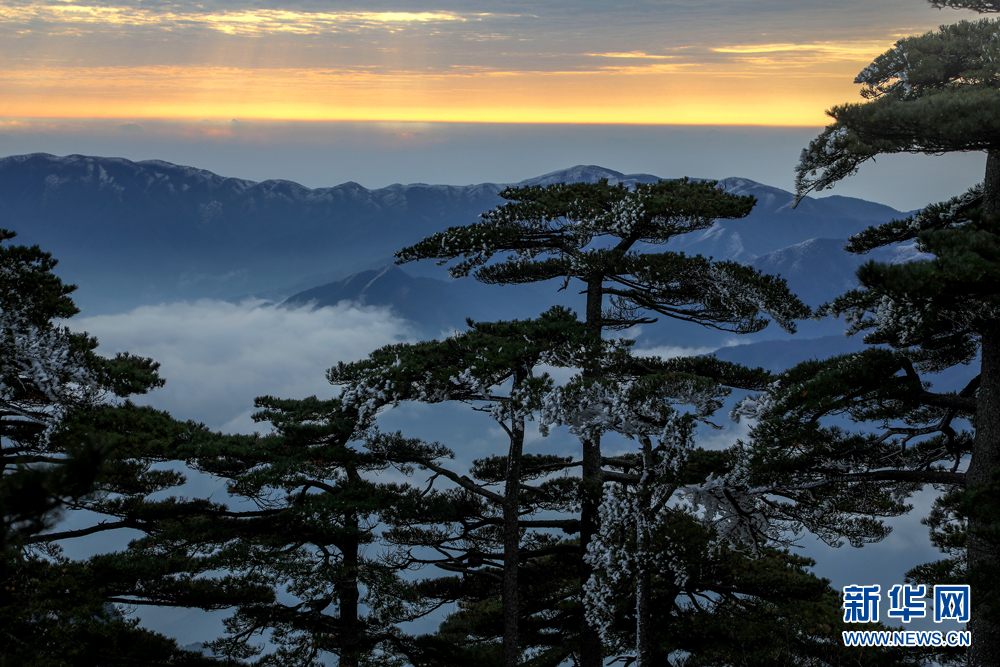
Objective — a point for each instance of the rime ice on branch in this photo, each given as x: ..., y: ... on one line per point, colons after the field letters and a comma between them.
x: 592, y: 235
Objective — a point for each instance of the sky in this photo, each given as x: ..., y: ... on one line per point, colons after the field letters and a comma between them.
x: 457, y: 91
x: 760, y: 62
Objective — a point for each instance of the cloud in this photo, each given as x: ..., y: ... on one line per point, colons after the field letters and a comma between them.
x: 671, y: 351
x: 455, y: 62
x: 632, y: 54
x: 849, y: 49
x: 217, y: 356
x: 77, y: 17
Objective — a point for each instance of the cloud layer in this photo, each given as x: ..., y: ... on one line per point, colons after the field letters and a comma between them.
x: 218, y: 356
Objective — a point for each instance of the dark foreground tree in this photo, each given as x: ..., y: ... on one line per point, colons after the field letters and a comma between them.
x: 593, y: 233
x: 934, y: 93
x: 494, y: 367
x: 306, y: 505
x: 714, y: 605
x: 519, y: 592
x: 56, y: 398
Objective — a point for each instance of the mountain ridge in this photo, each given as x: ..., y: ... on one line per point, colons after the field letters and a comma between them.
x: 132, y: 233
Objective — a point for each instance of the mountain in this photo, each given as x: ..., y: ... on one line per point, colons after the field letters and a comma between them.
x: 132, y: 233
x: 590, y: 174
x: 434, y: 305
x: 149, y: 231
x: 774, y: 224
x: 818, y: 270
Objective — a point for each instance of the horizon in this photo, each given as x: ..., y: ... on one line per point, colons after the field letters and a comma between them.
x: 379, y: 154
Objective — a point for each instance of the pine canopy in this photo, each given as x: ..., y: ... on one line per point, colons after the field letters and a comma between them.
x: 932, y: 93
x: 593, y: 231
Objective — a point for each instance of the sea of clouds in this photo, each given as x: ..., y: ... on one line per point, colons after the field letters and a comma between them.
x: 217, y: 356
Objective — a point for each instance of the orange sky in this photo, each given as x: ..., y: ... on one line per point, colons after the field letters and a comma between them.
x: 757, y: 63
x: 685, y: 97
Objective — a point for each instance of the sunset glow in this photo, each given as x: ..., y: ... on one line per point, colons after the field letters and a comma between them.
x: 671, y: 94
x: 455, y: 62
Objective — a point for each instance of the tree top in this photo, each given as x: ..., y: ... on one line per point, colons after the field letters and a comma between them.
x: 932, y: 93
x: 564, y: 219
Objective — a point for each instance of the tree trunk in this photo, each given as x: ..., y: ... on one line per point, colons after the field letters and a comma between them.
x: 591, y: 647
x: 983, y: 556
x: 644, y: 583
x: 347, y: 588
x: 511, y: 650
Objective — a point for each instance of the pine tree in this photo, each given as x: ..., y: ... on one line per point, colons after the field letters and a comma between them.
x: 934, y: 93
x: 323, y: 515
x: 713, y: 604
x: 463, y: 529
x: 592, y: 233
x: 475, y: 367
x: 310, y: 533
x: 58, y: 452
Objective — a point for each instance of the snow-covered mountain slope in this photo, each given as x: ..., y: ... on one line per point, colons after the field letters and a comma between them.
x: 433, y: 305
x: 818, y: 270
x: 774, y: 224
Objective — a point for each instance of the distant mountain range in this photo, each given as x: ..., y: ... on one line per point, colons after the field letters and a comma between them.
x: 133, y: 233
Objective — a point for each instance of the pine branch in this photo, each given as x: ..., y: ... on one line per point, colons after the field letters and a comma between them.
x: 82, y: 532
x: 462, y: 480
